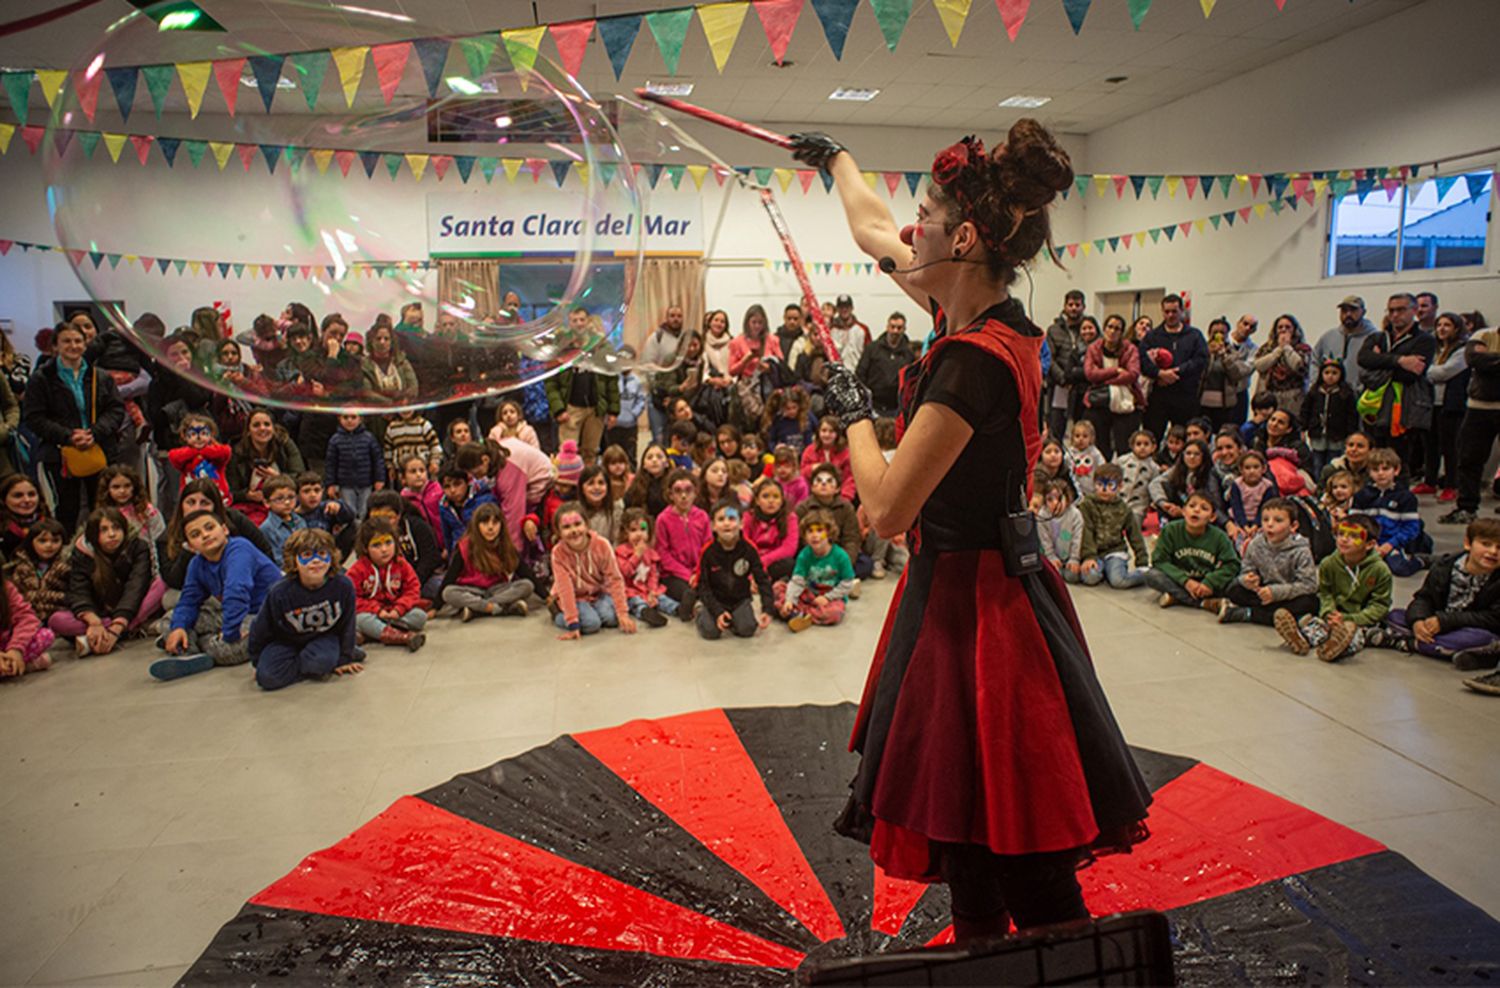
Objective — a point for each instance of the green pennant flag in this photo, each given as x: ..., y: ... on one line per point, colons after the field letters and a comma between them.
x: 1138, y: 10
x: 1276, y: 205
x: 1082, y: 184
x: 294, y: 157
x: 763, y: 175
x: 670, y: 28
x: 1155, y: 234
x: 1214, y: 219
x: 607, y: 172
x: 113, y: 259
x: 196, y: 150
x: 393, y: 163
x: 1226, y: 182
x: 487, y: 168
x: 675, y: 173
x: 88, y: 140
x: 477, y: 51
x: 239, y: 270
x: 310, y: 67
x: 892, y: 16
x: 18, y: 90
x: 179, y: 264
x: 1154, y: 184
x: 158, y: 81
x: 1099, y: 246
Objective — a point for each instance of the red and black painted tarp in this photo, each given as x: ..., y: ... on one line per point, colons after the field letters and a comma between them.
x: 698, y: 850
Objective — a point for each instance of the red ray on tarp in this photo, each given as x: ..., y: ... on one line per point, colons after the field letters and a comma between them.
x: 895, y: 898
x: 695, y: 769
x: 418, y: 865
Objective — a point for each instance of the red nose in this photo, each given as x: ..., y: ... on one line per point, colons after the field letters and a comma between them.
x: 906, y: 233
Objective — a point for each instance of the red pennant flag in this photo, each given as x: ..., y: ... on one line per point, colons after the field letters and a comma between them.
x: 345, y: 159
x: 1186, y: 228
x: 806, y: 176
x: 1126, y: 239
x: 1190, y: 182
x: 265, y: 270
x: 142, y: 144
x: 572, y: 41
x: 5, y: 246
x: 87, y: 86
x: 1072, y: 250
x: 779, y: 18
x: 32, y: 135
x: 1013, y: 13
x: 227, y: 75
x: 1280, y: 5
x: 1244, y: 212
x: 246, y: 153
x: 535, y: 166
x: 76, y: 256
x: 390, y: 65
x: 306, y: 270
x: 1299, y: 185
x: 720, y: 174
x: 1120, y: 182
x: 893, y: 181
x: 147, y: 263
x: 441, y: 163
x: 1255, y: 184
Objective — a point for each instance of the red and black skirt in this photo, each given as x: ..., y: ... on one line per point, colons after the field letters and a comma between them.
x: 983, y: 722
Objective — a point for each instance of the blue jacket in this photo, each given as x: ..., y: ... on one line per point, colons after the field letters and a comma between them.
x: 1396, y: 510
x: 294, y: 615
x: 319, y: 517
x: 455, y: 523
x: 1189, y: 357
x: 354, y: 459
x: 239, y: 580
x: 277, y: 531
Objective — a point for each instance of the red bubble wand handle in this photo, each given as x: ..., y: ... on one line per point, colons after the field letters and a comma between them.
x: 767, y: 199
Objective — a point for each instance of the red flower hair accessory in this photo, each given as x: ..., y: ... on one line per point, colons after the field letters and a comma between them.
x: 952, y: 160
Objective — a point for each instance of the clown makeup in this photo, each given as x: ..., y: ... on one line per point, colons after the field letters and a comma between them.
x: 382, y: 549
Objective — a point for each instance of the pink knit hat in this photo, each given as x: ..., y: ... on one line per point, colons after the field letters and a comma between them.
x: 569, y: 463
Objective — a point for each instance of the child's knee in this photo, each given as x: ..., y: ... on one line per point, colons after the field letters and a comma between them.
x: 1090, y: 577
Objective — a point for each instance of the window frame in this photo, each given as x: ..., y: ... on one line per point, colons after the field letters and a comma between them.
x: 1330, y: 250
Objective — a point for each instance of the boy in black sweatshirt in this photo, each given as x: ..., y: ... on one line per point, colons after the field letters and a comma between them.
x: 306, y: 625
x: 725, y: 570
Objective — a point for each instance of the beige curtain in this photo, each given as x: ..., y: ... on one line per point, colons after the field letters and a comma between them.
x: 664, y: 281
x: 479, y: 281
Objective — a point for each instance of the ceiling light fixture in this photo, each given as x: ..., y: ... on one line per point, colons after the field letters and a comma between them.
x: 669, y: 88
x: 1026, y: 102
x: 388, y: 15
x: 854, y: 95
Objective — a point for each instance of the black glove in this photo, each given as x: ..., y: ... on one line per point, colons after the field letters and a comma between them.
x: 846, y: 397
x: 815, y: 148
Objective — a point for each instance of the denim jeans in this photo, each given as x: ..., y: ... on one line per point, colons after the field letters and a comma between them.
x: 638, y: 605
x: 1115, y: 568
x: 592, y: 615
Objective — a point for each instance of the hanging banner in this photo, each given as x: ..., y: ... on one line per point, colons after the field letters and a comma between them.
x: 543, y: 221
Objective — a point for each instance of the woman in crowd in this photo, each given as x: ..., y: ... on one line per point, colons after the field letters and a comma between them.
x: 265, y: 451
x: 388, y: 374
x: 1114, y: 398
x: 1281, y: 365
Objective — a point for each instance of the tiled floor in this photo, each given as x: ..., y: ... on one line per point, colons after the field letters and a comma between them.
x: 138, y: 816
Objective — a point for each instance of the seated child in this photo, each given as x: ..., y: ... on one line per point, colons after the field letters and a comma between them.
x: 322, y: 512
x: 1171, y: 447
x: 829, y: 445
x: 1193, y: 562
x: 682, y: 530
x: 1110, y: 534
x: 282, y: 518
x: 739, y: 482
x: 1456, y: 613
x: 200, y: 454
x: 771, y: 526
x: 1386, y: 497
x: 226, y: 584
x: 1050, y: 465
x: 354, y: 464
x: 1339, y: 488
x: 306, y: 626
x: 460, y: 501
x: 586, y: 579
x: 510, y: 423
x: 1354, y: 594
x: 1199, y: 430
x: 1060, y: 528
x: 680, y: 439
x: 1278, y: 571
x: 1138, y: 468
x: 640, y: 567
x: 387, y: 591
x: 490, y: 470
x: 565, y: 487
x: 1082, y: 457
x: 23, y: 638
x: 415, y: 541
x: 787, y: 472
x: 821, y: 579
x: 424, y: 493
x: 111, y: 589
x: 1261, y: 407
x: 648, y: 488
x: 408, y: 435
x: 1250, y: 488
x: 729, y: 564
x: 825, y: 495
x: 484, y: 578
x: 40, y: 568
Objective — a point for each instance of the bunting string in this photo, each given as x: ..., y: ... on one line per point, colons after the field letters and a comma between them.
x: 221, y: 269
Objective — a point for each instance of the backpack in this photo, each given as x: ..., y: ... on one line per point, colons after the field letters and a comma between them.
x: 1314, y: 524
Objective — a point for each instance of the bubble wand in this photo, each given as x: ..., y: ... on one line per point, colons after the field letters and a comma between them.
x: 767, y: 200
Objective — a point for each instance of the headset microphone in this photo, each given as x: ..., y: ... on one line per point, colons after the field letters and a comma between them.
x: 887, y: 265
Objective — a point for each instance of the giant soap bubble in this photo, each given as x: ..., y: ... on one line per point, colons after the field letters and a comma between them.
x: 302, y: 219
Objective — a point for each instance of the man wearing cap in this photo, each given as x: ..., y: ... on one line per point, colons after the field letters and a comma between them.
x: 850, y: 335
x: 1343, y: 342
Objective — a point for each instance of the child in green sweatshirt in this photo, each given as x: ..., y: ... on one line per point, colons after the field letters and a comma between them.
x: 1193, y: 562
x: 1354, y: 594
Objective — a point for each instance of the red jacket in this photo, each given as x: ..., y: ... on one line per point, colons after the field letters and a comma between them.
x: 812, y: 456
x: 762, y: 535
x: 642, y: 576
x: 393, y: 587
x: 210, y: 462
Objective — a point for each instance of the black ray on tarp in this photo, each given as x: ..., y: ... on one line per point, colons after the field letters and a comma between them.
x: 1159, y: 768
x: 286, y: 947
x: 560, y: 798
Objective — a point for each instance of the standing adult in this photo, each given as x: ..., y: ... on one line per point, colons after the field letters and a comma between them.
x: 1427, y: 312
x: 716, y: 384
x: 750, y: 356
x: 790, y: 330
x: 583, y: 402
x: 1229, y: 369
x: 388, y: 375
x: 172, y: 395
x: 1344, y: 341
x: 1449, y: 375
x: 15, y: 366
x: 1282, y: 365
x: 850, y: 336
x: 1242, y: 344
x: 1173, y: 356
x: 1481, y: 422
x: 881, y: 364
x: 76, y: 411
x: 1114, y: 398
x: 1397, y: 359
x: 662, y: 349
x: 10, y: 421
x: 1067, y: 362
x: 990, y: 760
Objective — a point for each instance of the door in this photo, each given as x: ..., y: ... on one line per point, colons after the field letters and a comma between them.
x: 1130, y: 304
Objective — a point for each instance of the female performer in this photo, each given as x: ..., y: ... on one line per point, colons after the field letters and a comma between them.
x: 991, y: 760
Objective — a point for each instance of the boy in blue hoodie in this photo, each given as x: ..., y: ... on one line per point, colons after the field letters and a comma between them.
x: 461, y: 497
x: 1387, y: 499
x: 355, y: 464
x: 226, y: 584
x: 306, y: 627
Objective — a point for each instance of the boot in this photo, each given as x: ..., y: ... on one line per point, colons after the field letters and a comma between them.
x: 395, y: 636
x: 654, y: 618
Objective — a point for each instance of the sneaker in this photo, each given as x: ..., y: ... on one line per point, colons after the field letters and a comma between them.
x: 854, y: 591
x: 1458, y: 516
x: 1488, y: 683
x: 653, y: 618
x: 81, y: 646
x: 1390, y: 638
x: 181, y: 665
x: 1165, y: 600
x: 1211, y: 603
x: 1230, y: 614
x: 1470, y: 659
x: 466, y: 614
x: 416, y: 641
x: 1447, y: 494
x: 1424, y: 488
x: 1339, y: 637
x: 41, y: 663
x: 516, y: 608
x: 1286, y: 626
x: 800, y: 622
x: 878, y: 573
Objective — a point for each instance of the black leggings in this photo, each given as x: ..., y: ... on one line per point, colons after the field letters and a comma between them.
x: 990, y: 889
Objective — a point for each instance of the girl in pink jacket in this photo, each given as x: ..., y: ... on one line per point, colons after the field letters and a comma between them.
x: 771, y: 526
x: 640, y: 567
x: 586, y: 581
x: 682, y: 530
x: 830, y: 446
x: 23, y: 640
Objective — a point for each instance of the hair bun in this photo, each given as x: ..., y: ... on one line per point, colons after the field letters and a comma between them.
x: 1032, y: 167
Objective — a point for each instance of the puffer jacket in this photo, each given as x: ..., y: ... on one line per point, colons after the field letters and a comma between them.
x: 354, y: 459
x: 132, y: 566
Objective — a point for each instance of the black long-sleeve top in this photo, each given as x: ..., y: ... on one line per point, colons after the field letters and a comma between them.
x: 724, y: 577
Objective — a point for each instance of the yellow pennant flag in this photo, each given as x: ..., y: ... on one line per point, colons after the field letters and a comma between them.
x: 194, y: 76
x: 698, y: 173
x: 351, y: 65
x: 1087, y: 248
x: 521, y: 45
x: 254, y: 271
x: 871, y: 179
x: 1208, y: 7
x: 954, y: 13
x: 512, y: 167
x: 721, y: 26
x: 7, y: 131
x: 321, y: 157
x: 1199, y: 225
x: 1173, y: 181
x: 1244, y: 180
x: 581, y: 169
x: 1101, y: 183
x: 51, y: 81
x: 221, y: 150
x: 785, y: 176
x: 114, y: 142
x: 1260, y: 209
x: 1320, y: 186
x: 418, y: 164
x: 195, y: 266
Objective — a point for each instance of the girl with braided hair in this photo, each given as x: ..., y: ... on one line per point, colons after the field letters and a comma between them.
x: 990, y: 758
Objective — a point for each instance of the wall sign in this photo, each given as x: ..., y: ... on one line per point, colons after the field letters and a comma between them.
x: 538, y: 221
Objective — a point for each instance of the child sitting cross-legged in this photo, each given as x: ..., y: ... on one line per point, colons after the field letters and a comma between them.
x: 1110, y: 534
x: 282, y: 518
x: 825, y: 495
x: 1139, y: 467
x: 415, y: 542
x: 1193, y: 562
x: 23, y: 637
x: 1060, y: 528
x: 1456, y: 613
x: 111, y: 589
x: 40, y: 569
x: 1395, y: 508
x: 1278, y: 571
x: 821, y: 578
x: 484, y: 578
x: 586, y: 580
x: 640, y: 568
x: 1251, y: 486
x: 387, y: 591
x: 1354, y: 594
x: 306, y: 627
x: 682, y: 530
x: 726, y: 568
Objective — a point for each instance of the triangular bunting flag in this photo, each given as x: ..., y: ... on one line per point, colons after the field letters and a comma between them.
x: 1190, y: 182
x: 294, y: 155
x: 465, y: 165
x: 785, y: 176
x: 1170, y: 232
x: 86, y: 88
x: 618, y: 35
x: 1072, y: 250
x: 280, y: 271
x: 1013, y: 13
x: 418, y: 164
x: 1259, y: 209
x: 51, y: 81
x: 162, y: 263
x: 440, y: 165
x: 142, y: 144
x: 806, y: 176
x: 272, y: 154
x: 512, y: 168
x: 835, y: 16
x: 572, y: 40
x: 227, y: 74
x: 1232, y: 215
x: 608, y: 169
x: 1114, y: 243
x: 1120, y: 182
x: 697, y: 172
x: 1198, y: 225
x: 239, y: 270
x: 1225, y: 183
x: 158, y: 81
x: 535, y: 166
x: 521, y: 45
x: 670, y: 28
x: 1138, y: 182
x: 653, y: 174
x: 433, y: 54
x: 369, y: 159
x: 311, y: 67
x: 179, y: 264
x: 351, y: 65
x: 1081, y: 183
x: 32, y: 134
x: 61, y: 138
x: 1476, y: 183
x: 113, y: 143
x: 762, y: 176
x: 953, y: 14
x: 1076, y: 10
x: 1138, y: 10
x: 487, y: 168
x: 321, y: 158
x: 892, y: 16
x: 1444, y: 184
x: 1155, y: 232
x: 1214, y: 219
x: 476, y: 51
x: 827, y: 178
x: 721, y: 23
x: 18, y: 90
x: 96, y: 257
x: 1208, y: 7
x: 779, y: 19
x: 560, y: 171
x: 892, y: 182
x: 1186, y: 228
x: 675, y: 172
x: 194, y: 76
x: 392, y: 164
x: 1126, y: 240
x: 7, y: 131
x: 1153, y: 182
x: 196, y: 150
x: 390, y: 66
x: 914, y: 180
x: 1173, y: 181
x: 267, y: 72
x: 246, y: 153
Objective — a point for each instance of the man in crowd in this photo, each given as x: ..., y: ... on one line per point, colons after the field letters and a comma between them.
x: 1067, y: 356
x: 880, y: 365
x: 583, y: 403
x: 1427, y: 312
x: 1400, y: 355
x: 661, y: 350
x: 790, y: 330
x: 1481, y: 424
x: 1344, y: 341
x: 1242, y: 345
x: 1174, y: 356
x: 850, y: 335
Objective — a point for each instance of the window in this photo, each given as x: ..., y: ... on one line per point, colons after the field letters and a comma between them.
x: 1441, y: 223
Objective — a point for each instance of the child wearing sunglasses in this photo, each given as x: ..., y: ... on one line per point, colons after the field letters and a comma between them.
x: 201, y: 454
x: 1354, y: 595
x: 682, y: 530
x: 306, y: 628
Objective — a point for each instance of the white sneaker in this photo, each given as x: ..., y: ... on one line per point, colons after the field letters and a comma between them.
x: 854, y: 590
x: 879, y: 572
x: 81, y: 646
x: 1166, y: 600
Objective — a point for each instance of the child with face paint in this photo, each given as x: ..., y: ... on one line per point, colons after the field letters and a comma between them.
x: 1354, y: 595
x: 682, y: 530
x: 306, y: 628
x: 726, y: 568
x: 640, y: 567
x: 586, y: 580
x: 387, y: 590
